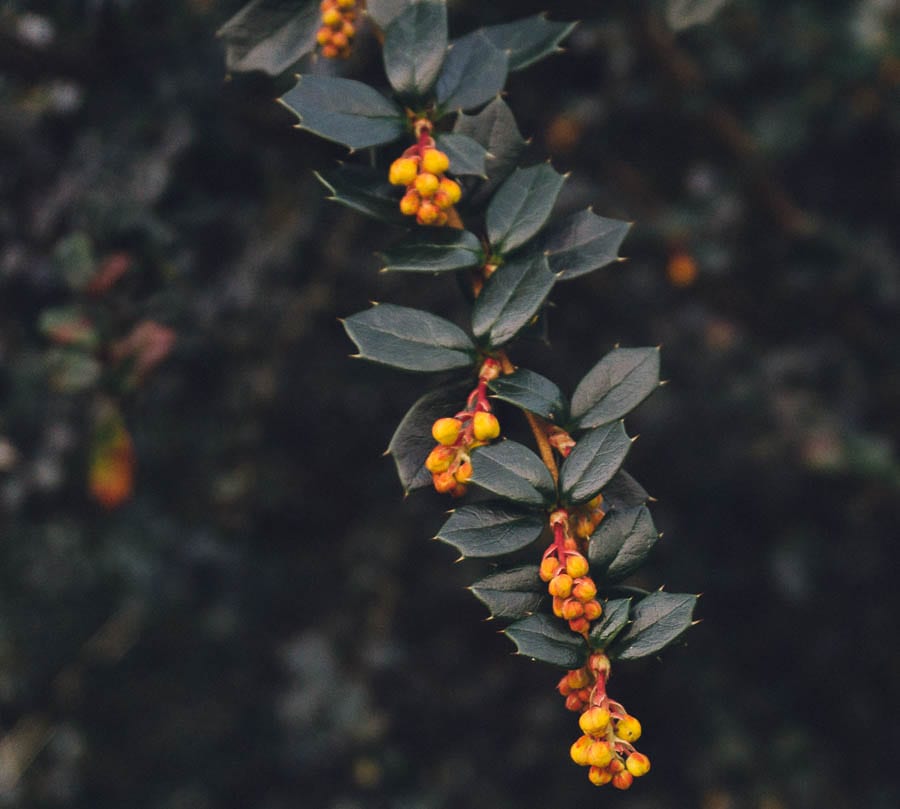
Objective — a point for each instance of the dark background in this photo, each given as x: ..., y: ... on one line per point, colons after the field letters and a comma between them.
x: 265, y: 624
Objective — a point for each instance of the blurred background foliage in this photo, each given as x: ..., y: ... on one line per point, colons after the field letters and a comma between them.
x: 263, y: 621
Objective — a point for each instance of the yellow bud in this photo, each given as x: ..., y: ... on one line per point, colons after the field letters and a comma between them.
x: 572, y: 609
x: 576, y: 565
x: 340, y: 41
x: 403, y: 171
x: 584, y: 589
x: 442, y: 200
x: 638, y: 764
x: 579, y: 750
x: 451, y: 189
x: 485, y: 426
x: 622, y: 780
x: 549, y: 568
x: 329, y: 51
x: 409, y: 205
x: 594, y: 721
x: 578, y: 678
x: 428, y: 213
x: 628, y: 729
x: 584, y: 527
x: 446, y: 431
x: 333, y: 18
x: 464, y: 473
x: 323, y: 36
x: 435, y: 161
x: 427, y: 184
x: 592, y: 610
x: 560, y: 585
x: 599, y: 754
x: 346, y: 3
x: 598, y: 777
x: 444, y: 482
x: 439, y: 459
x: 348, y: 29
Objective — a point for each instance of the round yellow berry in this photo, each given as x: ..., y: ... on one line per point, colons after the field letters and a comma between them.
x: 435, y: 161
x: 628, y: 729
x: 426, y: 184
x: 446, y: 431
x: 451, y: 189
x: 403, y: 171
x: 485, y: 426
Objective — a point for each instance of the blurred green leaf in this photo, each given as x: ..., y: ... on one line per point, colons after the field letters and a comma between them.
x: 511, y: 594
x: 532, y: 392
x: 409, y: 339
x: 514, y: 472
x: 74, y: 255
x: 432, y: 250
x: 474, y: 72
x: 540, y: 637
x: 591, y: 465
x: 681, y: 14
x: 530, y: 40
x: 621, y: 543
x: 656, y: 621
x: 72, y: 371
x: 521, y: 206
x: 615, y: 386
x: 511, y: 298
x: 611, y: 623
x: 415, y: 44
x: 491, y: 529
x: 345, y: 111
x: 69, y: 326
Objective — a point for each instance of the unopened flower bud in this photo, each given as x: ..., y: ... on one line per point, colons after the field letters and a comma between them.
x: 459, y: 490
x: 426, y: 184
x: 348, y: 29
x: 345, y: 4
x: 428, y: 213
x: 549, y: 568
x: 451, y: 189
x: 584, y: 589
x: 558, y: 606
x: 446, y: 431
x: 485, y: 426
x: 584, y: 527
x: 598, y: 663
x: 339, y: 40
x: 592, y: 610
x: 332, y: 18
x: 623, y: 780
x: 403, y: 171
x: 560, y: 586
x: 579, y: 750
x: 599, y: 776
x: 409, y: 205
x: 594, y: 721
x: 578, y: 678
x: 638, y: 764
x: 628, y: 729
x: 580, y: 625
x: 444, y: 482
x: 576, y: 565
x: 329, y: 51
x: 574, y: 703
x: 442, y: 200
x: 323, y: 35
x: 563, y: 686
x: 435, y: 161
x: 572, y: 609
x: 599, y: 754
x: 439, y: 459
x: 464, y: 473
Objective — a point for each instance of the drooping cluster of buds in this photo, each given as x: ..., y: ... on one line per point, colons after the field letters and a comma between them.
x: 337, y: 29
x: 421, y: 168
x: 565, y: 566
x: 450, y: 461
x: 606, y: 745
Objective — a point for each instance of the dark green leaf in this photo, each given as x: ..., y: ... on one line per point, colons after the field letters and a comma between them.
x: 69, y: 326
x: 412, y: 439
x: 74, y: 255
x: 656, y: 621
x: 621, y: 542
x: 409, y: 339
x: 270, y: 35
x: 541, y: 638
x: 364, y: 190
x: 414, y: 47
x: 344, y: 111
x: 511, y: 594
x: 491, y: 529
x: 614, y: 386
x: 521, y: 206
x: 384, y: 12
x: 474, y: 72
x: 611, y: 623
x: 530, y: 40
x: 514, y: 472
x: 596, y: 458
x: 72, y: 371
x: 681, y: 14
x: 623, y: 491
x: 434, y: 250
x: 495, y: 129
x: 510, y: 299
x: 466, y: 155
x: 531, y: 392
x: 582, y: 243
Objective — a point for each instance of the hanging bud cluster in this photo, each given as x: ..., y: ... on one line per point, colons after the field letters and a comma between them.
x: 450, y: 461
x: 606, y: 745
x: 338, y: 28
x: 421, y: 168
x: 565, y: 566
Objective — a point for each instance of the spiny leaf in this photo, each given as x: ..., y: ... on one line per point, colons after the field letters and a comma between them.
x: 540, y: 637
x: 412, y: 439
x: 345, y: 111
x: 621, y: 542
x: 434, y: 250
x: 491, y: 529
x: 511, y: 594
x: 414, y: 47
x: 270, y: 35
x: 466, y: 155
x: 591, y: 465
x: 364, y: 190
x: 582, y: 243
x: 532, y: 392
x: 611, y: 623
x: 409, y: 339
x: 514, y: 472
x: 474, y: 72
x: 530, y: 40
x: 384, y: 12
x: 521, y: 206
x: 614, y: 386
x: 623, y: 491
x: 656, y: 621
x: 511, y: 298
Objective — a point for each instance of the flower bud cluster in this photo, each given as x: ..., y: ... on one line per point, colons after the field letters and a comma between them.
x: 450, y: 461
x: 606, y: 745
x: 565, y: 567
x: 338, y: 28
x: 429, y: 194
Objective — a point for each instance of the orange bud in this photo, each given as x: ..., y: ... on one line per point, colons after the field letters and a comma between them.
x: 599, y: 754
x: 574, y: 703
x: 332, y: 18
x: 451, y: 189
x: 584, y: 527
x: 628, y: 729
x: 580, y: 625
x: 464, y: 473
x: 598, y: 663
x: 579, y: 750
x: 409, y: 205
x: 403, y: 170
x: 549, y: 568
x: 427, y: 184
x: 598, y: 776
x: 330, y: 52
x: 558, y: 606
x: 594, y: 721
x: 459, y: 490
x: 560, y: 586
x: 485, y: 427
x: 442, y: 200
x: 441, y: 219
x: 439, y: 459
x: 638, y: 764
x: 563, y: 686
x: 578, y: 678
x: 592, y: 610
x: 576, y: 565
x: 428, y: 213
x: 572, y: 609
x: 348, y: 29
x: 584, y: 589
x: 622, y: 780
x: 339, y: 40
x: 345, y: 4
x: 444, y: 482
x: 446, y: 431
x: 323, y: 36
